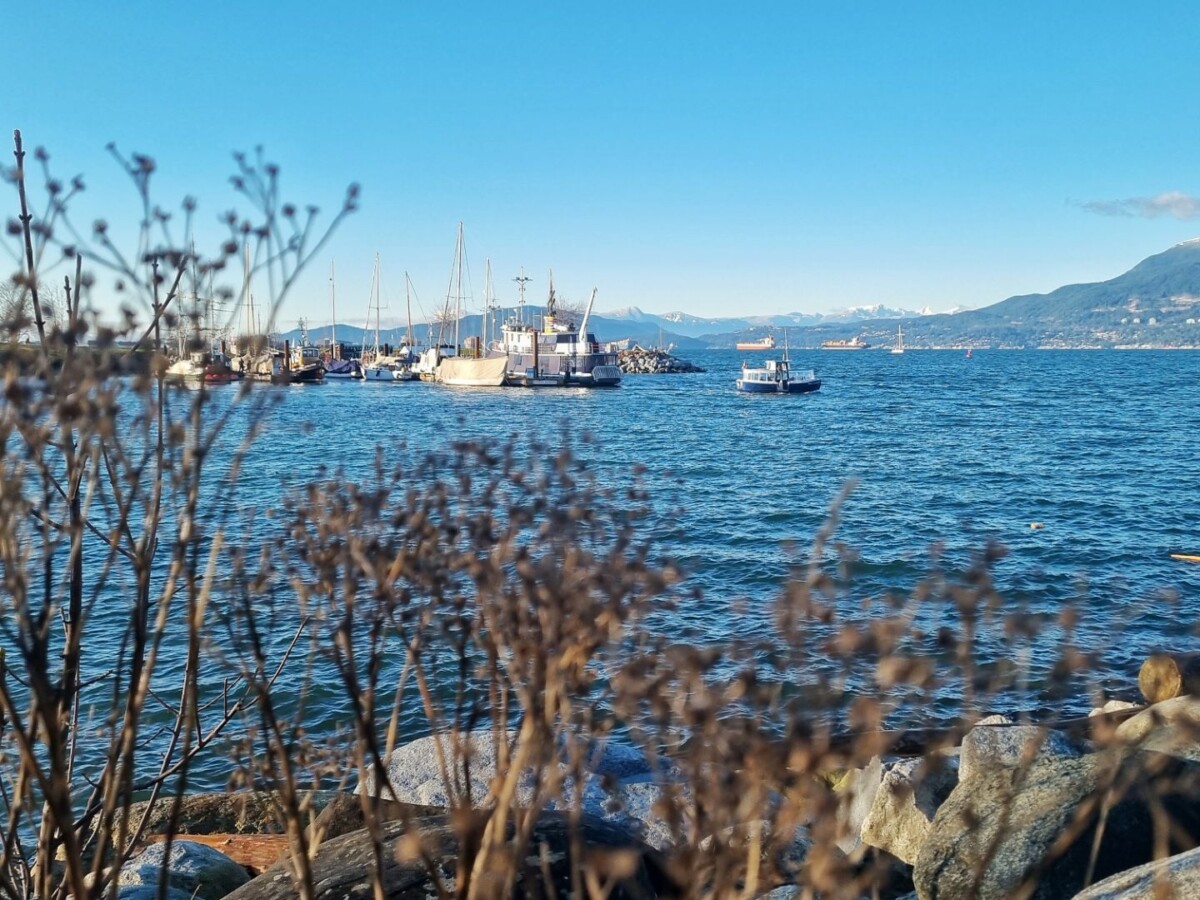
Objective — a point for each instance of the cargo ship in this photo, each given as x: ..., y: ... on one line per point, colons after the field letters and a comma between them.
x: 767, y: 343
x: 852, y: 344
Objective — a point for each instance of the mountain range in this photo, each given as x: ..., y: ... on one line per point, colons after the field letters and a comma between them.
x: 1154, y: 304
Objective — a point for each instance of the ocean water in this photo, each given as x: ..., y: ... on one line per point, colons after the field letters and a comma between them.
x: 944, y: 454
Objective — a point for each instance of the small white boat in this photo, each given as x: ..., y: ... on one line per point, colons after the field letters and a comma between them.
x: 387, y: 368
x: 775, y: 377
x: 899, y: 348
x: 377, y: 365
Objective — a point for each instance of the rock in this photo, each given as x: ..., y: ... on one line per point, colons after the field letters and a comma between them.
x: 1172, y: 726
x: 344, y: 814
x: 240, y: 812
x: 191, y: 868
x: 1113, y: 706
x: 783, y: 855
x: 341, y: 867
x: 996, y: 719
x: 908, y: 797
x: 1180, y: 872
x: 1008, y: 828
x: 415, y: 772
x: 641, y: 361
x: 615, y: 761
x: 639, y: 807
x: 857, y: 792
x: 149, y: 892
x: 988, y: 746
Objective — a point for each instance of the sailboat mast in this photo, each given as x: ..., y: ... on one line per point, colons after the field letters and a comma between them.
x: 375, y: 287
x: 408, y: 335
x: 333, y: 304
x: 487, y: 300
x: 247, y: 303
x: 458, y: 261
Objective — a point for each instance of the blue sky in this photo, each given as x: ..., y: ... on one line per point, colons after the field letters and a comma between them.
x: 722, y: 159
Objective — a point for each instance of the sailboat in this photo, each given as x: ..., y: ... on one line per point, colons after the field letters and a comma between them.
x: 335, y: 367
x: 899, y: 348
x: 383, y: 367
x: 479, y: 370
x: 252, y: 356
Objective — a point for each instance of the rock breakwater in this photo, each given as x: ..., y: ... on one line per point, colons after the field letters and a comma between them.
x: 642, y: 361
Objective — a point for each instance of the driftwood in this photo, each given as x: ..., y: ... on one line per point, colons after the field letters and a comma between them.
x: 1164, y: 676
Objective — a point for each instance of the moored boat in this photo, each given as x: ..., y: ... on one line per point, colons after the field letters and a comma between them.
x: 298, y: 365
x: 343, y: 369
x: 558, y: 350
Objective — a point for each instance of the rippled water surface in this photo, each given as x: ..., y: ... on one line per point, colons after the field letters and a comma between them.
x: 1099, y: 447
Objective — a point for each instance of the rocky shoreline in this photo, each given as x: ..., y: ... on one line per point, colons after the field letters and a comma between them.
x: 1014, y: 809
x: 642, y: 361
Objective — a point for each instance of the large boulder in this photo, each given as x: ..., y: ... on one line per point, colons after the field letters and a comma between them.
x: 1011, y: 829
x: 342, y: 867
x: 1172, y: 726
x: 641, y: 807
x: 856, y: 795
x: 194, y: 869
x: 986, y: 747
x: 905, y: 803
x: 236, y: 812
x: 620, y: 785
x: 1181, y: 873
x: 415, y: 771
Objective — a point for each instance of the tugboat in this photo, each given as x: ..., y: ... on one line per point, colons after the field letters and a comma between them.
x: 298, y: 365
x: 539, y: 358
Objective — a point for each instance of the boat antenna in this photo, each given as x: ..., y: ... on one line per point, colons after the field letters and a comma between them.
x: 521, y: 281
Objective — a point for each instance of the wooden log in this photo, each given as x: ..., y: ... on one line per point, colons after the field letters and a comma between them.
x: 1167, y: 675
x: 257, y: 852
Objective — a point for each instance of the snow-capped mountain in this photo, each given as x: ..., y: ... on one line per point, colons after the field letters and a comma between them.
x: 687, y: 325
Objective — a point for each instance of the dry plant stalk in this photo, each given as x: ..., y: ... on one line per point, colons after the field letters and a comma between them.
x: 108, y: 564
x: 492, y: 595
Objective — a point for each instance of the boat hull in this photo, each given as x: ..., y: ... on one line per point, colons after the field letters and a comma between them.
x: 756, y: 345
x: 779, y: 387
x: 532, y: 379
x: 387, y: 374
x: 310, y: 374
x: 467, y: 372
